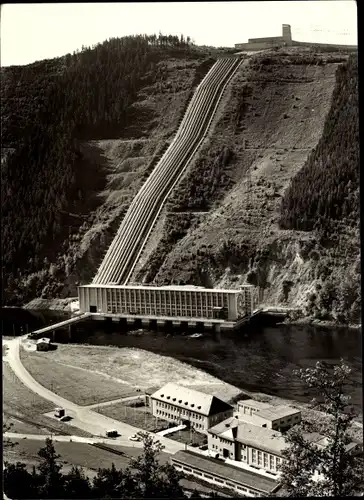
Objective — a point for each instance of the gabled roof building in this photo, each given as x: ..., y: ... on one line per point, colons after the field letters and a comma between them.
x: 179, y: 404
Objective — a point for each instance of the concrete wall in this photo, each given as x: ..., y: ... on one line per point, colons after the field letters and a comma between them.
x: 259, y: 46
x: 219, y: 417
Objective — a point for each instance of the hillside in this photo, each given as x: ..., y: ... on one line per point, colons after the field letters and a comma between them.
x: 79, y: 136
x: 280, y: 108
x: 240, y: 213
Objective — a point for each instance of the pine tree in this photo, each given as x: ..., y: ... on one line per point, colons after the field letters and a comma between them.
x: 339, y: 470
x: 49, y: 470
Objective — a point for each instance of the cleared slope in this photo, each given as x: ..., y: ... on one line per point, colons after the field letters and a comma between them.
x: 273, y: 120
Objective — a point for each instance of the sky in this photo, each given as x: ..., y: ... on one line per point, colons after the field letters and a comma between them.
x: 31, y: 32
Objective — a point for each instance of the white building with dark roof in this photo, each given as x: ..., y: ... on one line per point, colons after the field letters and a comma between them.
x: 179, y: 404
x: 253, y: 445
x: 43, y: 344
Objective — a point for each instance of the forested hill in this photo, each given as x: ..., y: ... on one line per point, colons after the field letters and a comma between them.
x: 326, y: 190
x: 324, y: 199
x: 48, y: 108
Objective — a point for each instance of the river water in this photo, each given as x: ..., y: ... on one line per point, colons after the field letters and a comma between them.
x: 259, y: 360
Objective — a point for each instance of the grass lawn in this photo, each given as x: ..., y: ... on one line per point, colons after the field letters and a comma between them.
x: 80, y: 454
x: 123, y: 365
x: 185, y: 436
x: 139, y: 417
x: 24, y: 409
x: 73, y: 383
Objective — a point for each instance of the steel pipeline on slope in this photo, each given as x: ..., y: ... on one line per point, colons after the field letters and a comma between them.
x: 151, y: 186
x: 179, y: 142
x: 151, y: 203
x: 142, y: 212
x: 160, y: 177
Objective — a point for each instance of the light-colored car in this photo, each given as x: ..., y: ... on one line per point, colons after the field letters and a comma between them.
x: 135, y: 437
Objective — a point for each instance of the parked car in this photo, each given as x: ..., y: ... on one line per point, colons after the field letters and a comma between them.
x: 112, y: 433
x: 135, y: 437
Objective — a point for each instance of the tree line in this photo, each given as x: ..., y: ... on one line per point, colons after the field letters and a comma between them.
x: 326, y: 189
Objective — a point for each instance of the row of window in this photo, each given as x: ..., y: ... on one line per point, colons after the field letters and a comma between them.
x: 222, y: 482
x: 193, y: 313
x: 162, y: 297
x: 180, y: 411
x: 265, y: 460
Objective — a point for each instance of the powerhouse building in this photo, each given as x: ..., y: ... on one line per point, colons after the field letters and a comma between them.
x: 178, y: 302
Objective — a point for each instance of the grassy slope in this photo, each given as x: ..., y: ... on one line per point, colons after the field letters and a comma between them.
x: 120, y: 370
x: 83, y: 387
x: 24, y: 409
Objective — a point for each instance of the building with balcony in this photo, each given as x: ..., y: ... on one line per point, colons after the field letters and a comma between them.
x: 176, y: 303
x: 182, y: 405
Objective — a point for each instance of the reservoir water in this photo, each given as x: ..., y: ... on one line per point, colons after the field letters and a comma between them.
x: 259, y: 360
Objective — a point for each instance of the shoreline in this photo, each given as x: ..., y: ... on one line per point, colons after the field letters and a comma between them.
x: 67, y: 305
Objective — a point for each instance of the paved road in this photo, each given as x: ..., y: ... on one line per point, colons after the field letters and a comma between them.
x: 121, y: 441
x: 82, y: 417
x: 114, y: 401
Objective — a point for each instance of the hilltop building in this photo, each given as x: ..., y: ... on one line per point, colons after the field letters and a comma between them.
x: 182, y: 405
x: 285, y: 40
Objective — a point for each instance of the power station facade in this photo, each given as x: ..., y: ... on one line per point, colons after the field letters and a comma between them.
x: 183, y: 303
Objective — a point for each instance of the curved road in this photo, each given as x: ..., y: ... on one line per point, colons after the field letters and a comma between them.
x: 82, y: 417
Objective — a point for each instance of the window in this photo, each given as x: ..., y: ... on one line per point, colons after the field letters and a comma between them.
x: 218, y: 480
x: 266, y: 460
x: 254, y: 456
x: 259, y: 458
x: 271, y: 461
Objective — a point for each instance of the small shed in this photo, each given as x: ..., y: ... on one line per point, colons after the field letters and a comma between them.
x: 43, y: 344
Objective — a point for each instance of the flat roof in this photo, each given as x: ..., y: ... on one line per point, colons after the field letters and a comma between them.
x: 226, y: 471
x: 252, y: 403
x: 275, y: 412
x: 177, y: 288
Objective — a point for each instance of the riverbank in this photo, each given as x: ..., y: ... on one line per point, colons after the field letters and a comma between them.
x: 132, y: 367
x: 319, y: 322
x: 71, y: 305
